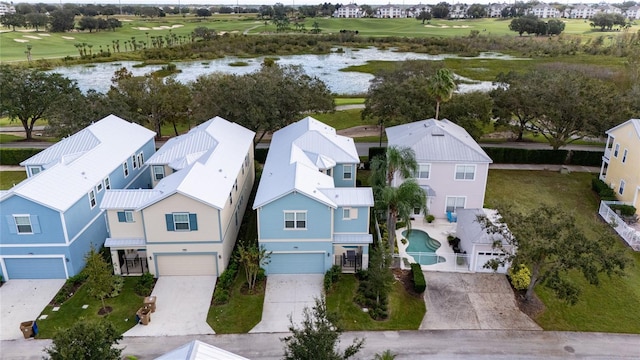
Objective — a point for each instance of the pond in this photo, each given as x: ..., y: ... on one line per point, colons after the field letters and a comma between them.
x: 326, y: 67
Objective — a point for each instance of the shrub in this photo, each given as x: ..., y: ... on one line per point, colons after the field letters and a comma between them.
x: 145, y: 283
x: 625, y: 210
x: 331, y: 277
x: 400, y: 225
x: 10, y: 156
x: 403, y: 241
x: 419, y: 282
x: 520, y: 278
x: 454, y: 242
x: 221, y: 296
x: 430, y: 218
x: 602, y: 189
x: 118, y: 284
x: 228, y: 276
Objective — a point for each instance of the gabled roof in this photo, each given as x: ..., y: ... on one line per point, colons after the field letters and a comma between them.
x: 208, y: 179
x: 350, y: 196
x: 198, y: 350
x: 438, y: 141
x: 634, y: 122
x: 297, y: 154
x: 82, y: 163
x: 66, y: 150
x: 469, y: 228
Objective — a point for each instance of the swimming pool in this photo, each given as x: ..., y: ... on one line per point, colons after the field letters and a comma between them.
x: 422, y: 247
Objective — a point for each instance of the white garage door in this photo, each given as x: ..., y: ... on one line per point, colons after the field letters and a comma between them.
x: 296, y: 263
x: 483, y: 257
x: 201, y: 264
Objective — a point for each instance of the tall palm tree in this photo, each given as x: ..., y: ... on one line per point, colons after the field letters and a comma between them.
x: 441, y: 86
x: 400, y: 202
x: 398, y: 160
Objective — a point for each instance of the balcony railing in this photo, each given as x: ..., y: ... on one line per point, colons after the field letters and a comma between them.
x: 630, y: 234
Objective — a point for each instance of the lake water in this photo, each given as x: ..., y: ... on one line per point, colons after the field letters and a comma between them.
x: 326, y: 67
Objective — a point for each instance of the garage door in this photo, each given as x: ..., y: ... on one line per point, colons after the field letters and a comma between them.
x: 297, y: 263
x: 483, y: 257
x: 35, y: 268
x: 186, y: 265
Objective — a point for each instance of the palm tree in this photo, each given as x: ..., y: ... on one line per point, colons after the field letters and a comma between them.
x: 400, y: 202
x: 441, y: 86
x: 386, y: 355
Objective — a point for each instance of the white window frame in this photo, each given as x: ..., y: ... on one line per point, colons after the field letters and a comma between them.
x: 623, y: 184
x: 624, y: 155
x: 140, y: 159
x: 155, y: 173
x: 128, y: 216
x: 455, y: 206
x: 235, y: 185
x: 346, y: 167
x: 107, y: 183
x: 616, y: 150
x: 421, y: 171
x: 34, y: 170
x: 134, y: 161
x: 175, y: 223
x: 125, y: 169
x: 346, y: 214
x: 23, y: 216
x: 99, y: 187
x: 465, y: 172
x: 296, y: 214
x: 92, y: 199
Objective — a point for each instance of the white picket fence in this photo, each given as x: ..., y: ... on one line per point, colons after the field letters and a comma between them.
x: 629, y: 233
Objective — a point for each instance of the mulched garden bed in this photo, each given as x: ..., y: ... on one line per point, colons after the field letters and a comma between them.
x: 404, y: 276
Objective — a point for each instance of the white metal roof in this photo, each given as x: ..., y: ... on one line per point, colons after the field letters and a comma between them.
x: 127, y: 199
x: 297, y: 154
x: 634, y: 122
x: 350, y: 196
x: 65, y: 150
x: 352, y: 239
x: 469, y: 228
x: 64, y: 183
x: 198, y: 350
x: 111, y: 242
x: 209, y: 178
x: 438, y: 141
x: 182, y: 151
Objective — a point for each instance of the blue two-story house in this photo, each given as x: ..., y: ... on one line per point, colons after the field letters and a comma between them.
x: 52, y: 218
x: 310, y: 213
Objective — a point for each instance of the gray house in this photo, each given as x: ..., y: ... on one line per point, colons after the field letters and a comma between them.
x: 476, y: 242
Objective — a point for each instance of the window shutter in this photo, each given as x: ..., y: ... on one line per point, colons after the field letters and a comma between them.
x: 35, y: 224
x: 121, y: 217
x: 354, y: 213
x: 193, y: 222
x: 12, y: 225
x: 169, y: 218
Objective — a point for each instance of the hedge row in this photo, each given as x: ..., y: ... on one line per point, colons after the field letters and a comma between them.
x: 603, y: 190
x: 260, y: 155
x: 419, y: 282
x: 552, y: 157
x: 11, y: 156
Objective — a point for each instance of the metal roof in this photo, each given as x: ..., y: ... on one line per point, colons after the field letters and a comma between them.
x: 352, y: 239
x: 297, y: 154
x: 127, y: 199
x: 182, y: 151
x: 60, y: 186
x: 198, y: 350
x: 65, y: 150
x: 437, y: 141
x: 350, y: 196
x: 469, y: 228
x: 429, y: 190
x: 111, y: 242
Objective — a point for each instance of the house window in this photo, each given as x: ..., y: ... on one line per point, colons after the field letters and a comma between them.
x: 465, y: 172
x: 616, y: 150
x: 181, y: 222
x: 99, y: 187
x: 624, y: 156
x: 92, y: 199
x: 107, y: 183
x: 23, y: 224
x: 329, y: 172
x: 347, y: 172
x: 134, y: 161
x: 246, y: 160
x: 230, y: 199
x: 158, y: 172
x: 423, y: 171
x: 295, y: 220
x: 622, y: 185
x: 141, y: 159
x: 455, y: 202
x: 349, y: 214
x: 125, y: 169
x: 125, y: 216
x: 235, y: 185
x: 34, y: 170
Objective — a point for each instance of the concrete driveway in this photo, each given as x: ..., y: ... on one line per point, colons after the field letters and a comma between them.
x: 472, y: 301
x: 285, y: 296
x: 181, y: 307
x: 24, y: 300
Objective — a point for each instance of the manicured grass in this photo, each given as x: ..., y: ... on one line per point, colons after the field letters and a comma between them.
x: 10, y: 178
x: 7, y: 138
x: 405, y: 311
x: 123, y: 315
x: 342, y: 119
x: 241, y: 313
x: 610, y: 307
x: 349, y: 101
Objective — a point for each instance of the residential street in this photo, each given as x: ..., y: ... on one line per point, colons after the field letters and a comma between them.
x: 446, y: 344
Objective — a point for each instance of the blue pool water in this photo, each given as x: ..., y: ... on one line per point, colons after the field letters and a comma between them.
x: 422, y: 247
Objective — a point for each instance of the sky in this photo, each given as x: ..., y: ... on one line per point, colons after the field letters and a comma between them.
x: 257, y: 3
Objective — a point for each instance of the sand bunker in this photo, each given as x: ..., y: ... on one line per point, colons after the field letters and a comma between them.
x: 32, y: 37
x: 177, y: 26
x: 44, y: 34
x: 68, y: 38
x: 142, y: 28
x: 21, y: 40
x: 444, y: 26
x: 460, y: 26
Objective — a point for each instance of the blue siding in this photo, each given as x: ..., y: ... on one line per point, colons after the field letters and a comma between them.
x: 49, y: 220
x: 95, y: 234
x: 359, y: 225
x: 338, y: 175
x: 318, y: 218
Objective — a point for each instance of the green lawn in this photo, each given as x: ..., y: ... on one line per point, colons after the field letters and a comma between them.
x: 241, y: 313
x: 342, y: 119
x: 611, y: 307
x: 123, y: 315
x: 10, y: 178
x: 349, y: 101
x: 8, y: 138
x: 405, y: 311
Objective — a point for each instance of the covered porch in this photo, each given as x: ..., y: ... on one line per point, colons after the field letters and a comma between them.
x: 128, y: 256
x: 351, y: 251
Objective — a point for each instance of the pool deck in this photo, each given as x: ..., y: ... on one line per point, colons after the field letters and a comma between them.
x: 439, y: 229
